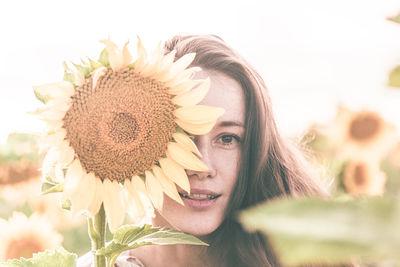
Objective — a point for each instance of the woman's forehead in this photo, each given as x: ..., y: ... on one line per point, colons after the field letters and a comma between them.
x: 226, y: 93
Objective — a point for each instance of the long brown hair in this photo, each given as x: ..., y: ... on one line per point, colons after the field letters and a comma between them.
x: 270, y: 167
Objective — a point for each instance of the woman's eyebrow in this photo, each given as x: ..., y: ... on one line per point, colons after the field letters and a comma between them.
x: 230, y: 123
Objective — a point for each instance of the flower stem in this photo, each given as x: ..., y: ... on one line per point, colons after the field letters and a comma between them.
x: 97, y: 234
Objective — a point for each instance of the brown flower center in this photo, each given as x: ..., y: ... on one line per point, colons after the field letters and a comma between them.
x: 23, y: 247
x: 121, y: 127
x: 360, y: 174
x: 365, y: 126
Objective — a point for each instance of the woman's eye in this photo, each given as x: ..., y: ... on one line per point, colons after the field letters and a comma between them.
x: 229, y: 140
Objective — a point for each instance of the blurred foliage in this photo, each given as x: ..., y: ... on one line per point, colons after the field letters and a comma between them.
x: 330, y: 232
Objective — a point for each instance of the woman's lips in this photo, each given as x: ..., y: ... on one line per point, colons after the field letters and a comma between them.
x: 199, y: 199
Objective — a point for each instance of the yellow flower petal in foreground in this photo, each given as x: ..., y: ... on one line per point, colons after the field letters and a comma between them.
x: 155, y: 190
x: 121, y: 120
x: 168, y: 186
x: 21, y: 236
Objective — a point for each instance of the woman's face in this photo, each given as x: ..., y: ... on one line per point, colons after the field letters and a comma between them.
x: 221, y: 148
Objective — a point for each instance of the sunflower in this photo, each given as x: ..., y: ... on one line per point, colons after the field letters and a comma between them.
x: 361, y: 133
x: 119, y: 129
x: 22, y: 236
x: 18, y: 179
x: 363, y: 177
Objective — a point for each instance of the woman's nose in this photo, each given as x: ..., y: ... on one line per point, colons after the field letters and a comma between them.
x: 206, y: 159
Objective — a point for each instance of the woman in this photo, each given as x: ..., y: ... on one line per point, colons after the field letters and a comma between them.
x: 248, y: 163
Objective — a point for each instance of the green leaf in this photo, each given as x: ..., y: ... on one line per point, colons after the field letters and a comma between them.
x: 84, y: 69
x: 131, y: 236
x: 332, y: 232
x: 103, y: 59
x: 57, y: 257
x: 394, y: 77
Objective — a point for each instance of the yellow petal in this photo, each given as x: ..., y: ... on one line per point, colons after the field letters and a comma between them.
x: 97, y: 74
x: 198, y: 114
x: 196, y: 129
x: 154, y: 188
x: 56, y: 90
x: 185, y: 141
x: 126, y: 56
x: 142, y: 56
x: 133, y: 202
x: 183, y: 87
x: 113, y: 204
x: 185, y: 158
x: 67, y: 153
x: 175, y: 172
x: 182, y: 77
x: 72, y: 177
x: 168, y: 186
x: 138, y: 185
x: 194, y: 96
x: 165, y: 65
x: 155, y: 58
x: 178, y: 67
x: 95, y: 204
x: 83, y: 196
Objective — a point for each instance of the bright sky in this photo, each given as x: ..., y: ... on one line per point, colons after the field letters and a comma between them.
x: 312, y: 54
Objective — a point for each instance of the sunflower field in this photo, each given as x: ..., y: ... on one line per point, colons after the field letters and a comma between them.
x: 356, y: 155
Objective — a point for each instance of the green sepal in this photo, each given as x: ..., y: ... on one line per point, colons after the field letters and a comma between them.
x: 394, y: 77
x: 41, y: 98
x: 55, y: 257
x: 85, y: 70
x: 69, y: 77
x: 93, y: 64
x: 48, y: 188
x: 103, y: 59
x: 66, y: 205
x: 132, y: 65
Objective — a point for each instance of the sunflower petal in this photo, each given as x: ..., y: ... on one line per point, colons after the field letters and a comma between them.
x: 56, y: 90
x: 97, y: 200
x: 154, y: 188
x: 133, y: 202
x: 178, y: 67
x: 182, y: 77
x: 97, y: 74
x: 126, y: 56
x: 84, y: 194
x: 72, y: 177
x: 185, y: 158
x: 155, y: 60
x: 114, y: 56
x: 185, y: 141
x: 113, y: 204
x: 194, y: 96
x: 175, y: 172
x: 183, y: 87
x: 165, y: 64
x: 142, y: 56
x: 198, y: 114
x: 196, y: 129
x: 168, y: 186
x: 67, y: 153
